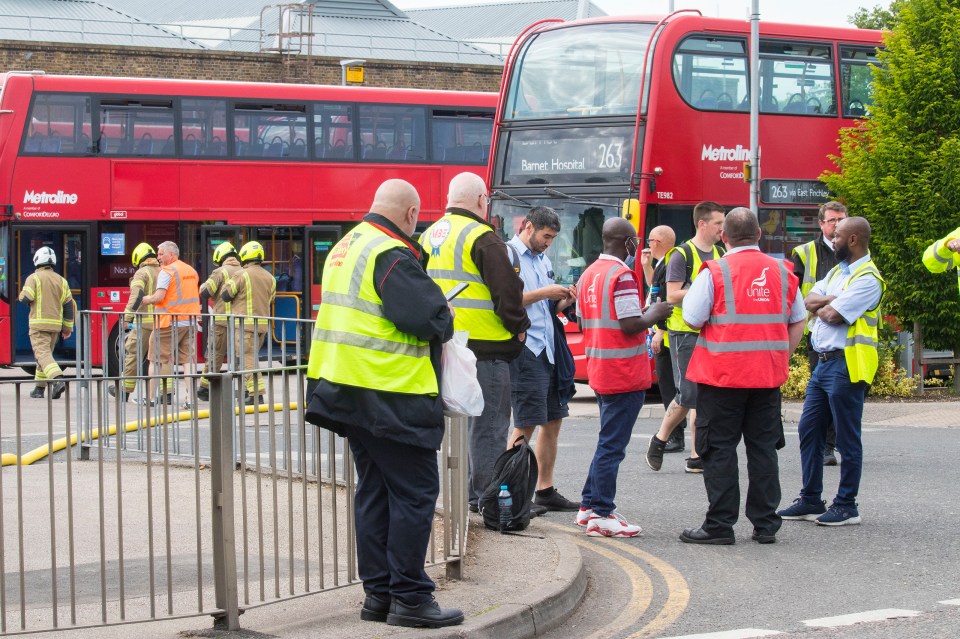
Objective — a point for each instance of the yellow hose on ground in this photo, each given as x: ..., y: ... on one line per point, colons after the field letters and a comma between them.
x: 9, y: 459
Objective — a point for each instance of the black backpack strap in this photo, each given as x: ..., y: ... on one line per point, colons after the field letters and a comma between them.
x: 688, y: 256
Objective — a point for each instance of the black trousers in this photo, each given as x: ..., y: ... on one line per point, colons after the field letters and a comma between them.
x: 724, y: 415
x: 813, y: 360
x: 668, y: 390
x: 397, y: 490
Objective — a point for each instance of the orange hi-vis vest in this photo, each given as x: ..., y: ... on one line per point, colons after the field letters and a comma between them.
x: 182, y: 301
x: 745, y: 343
x: 616, y: 362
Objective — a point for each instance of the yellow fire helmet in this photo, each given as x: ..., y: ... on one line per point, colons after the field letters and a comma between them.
x: 142, y: 252
x: 250, y: 252
x: 222, y: 252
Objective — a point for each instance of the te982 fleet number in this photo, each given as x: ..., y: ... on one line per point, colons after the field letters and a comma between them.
x: 664, y: 195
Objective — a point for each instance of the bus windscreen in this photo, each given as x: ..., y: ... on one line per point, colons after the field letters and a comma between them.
x: 582, y: 71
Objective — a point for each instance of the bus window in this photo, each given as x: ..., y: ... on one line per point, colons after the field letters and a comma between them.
x: 796, y: 78
x: 333, y: 132
x: 461, y: 137
x: 581, y: 239
x: 136, y: 127
x: 58, y: 125
x: 711, y: 73
x: 855, y: 78
x: 203, y: 128
x: 395, y: 133
x: 581, y: 71
x: 785, y: 229
x: 270, y: 131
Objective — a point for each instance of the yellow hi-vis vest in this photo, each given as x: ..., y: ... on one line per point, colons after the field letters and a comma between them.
x: 353, y: 343
x: 938, y: 258
x: 860, y: 350
x: 675, y: 321
x: 449, y: 242
x: 808, y: 257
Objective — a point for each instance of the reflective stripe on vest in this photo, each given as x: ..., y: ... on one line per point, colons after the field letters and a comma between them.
x: 449, y: 244
x: 675, y: 321
x: 353, y: 343
x: 616, y: 362
x: 860, y: 348
x: 185, y: 300
x: 221, y: 307
x: 738, y: 348
x: 146, y: 271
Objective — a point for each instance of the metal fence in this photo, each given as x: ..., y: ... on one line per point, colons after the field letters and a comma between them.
x: 164, y: 512
x: 422, y: 47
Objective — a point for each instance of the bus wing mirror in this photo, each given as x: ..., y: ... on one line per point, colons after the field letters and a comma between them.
x: 631, y: 213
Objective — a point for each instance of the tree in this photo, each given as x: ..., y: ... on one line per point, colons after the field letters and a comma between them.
x: 876, y: 18
x: 901, y: 168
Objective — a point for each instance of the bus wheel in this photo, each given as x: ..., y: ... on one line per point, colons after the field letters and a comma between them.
x: 115, y: 349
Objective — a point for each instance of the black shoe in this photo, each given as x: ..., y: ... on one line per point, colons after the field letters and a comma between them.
x: 429, y: 614
x: 675, y: 443
x: 551, y: 499
x: 694, y: 465
x: 375, y: 608
x: 112, y: 392
x: 37, y: 392
x: 57, y: 390
x: 655, y: 453
x: 700, y: 536
x: 472, y: 507
x: 203, y: 394
x: 763, y: 538
x: 251, y: 398
x: 536, y: 510
x: 829, y: 458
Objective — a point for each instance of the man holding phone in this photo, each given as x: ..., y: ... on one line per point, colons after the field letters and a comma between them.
x: 538, y: 397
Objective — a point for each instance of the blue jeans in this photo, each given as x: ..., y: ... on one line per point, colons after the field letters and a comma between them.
x: 831, y: 396
x: 618, y: 414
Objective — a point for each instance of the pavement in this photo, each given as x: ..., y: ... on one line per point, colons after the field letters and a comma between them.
x: 513, y: 586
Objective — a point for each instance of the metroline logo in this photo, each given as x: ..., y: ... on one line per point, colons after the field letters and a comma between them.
x: 725, y: 154
x: 42, y: 197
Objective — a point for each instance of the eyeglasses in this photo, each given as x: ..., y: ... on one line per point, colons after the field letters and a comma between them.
x: 632, y: 241
x: 833, y: 221
x: 650, y: 241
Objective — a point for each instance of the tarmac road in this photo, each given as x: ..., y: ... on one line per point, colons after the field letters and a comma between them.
x: 902, y: 560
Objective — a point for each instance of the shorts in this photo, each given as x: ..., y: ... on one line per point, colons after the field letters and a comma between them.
x: 163, y: 340
x: 681, y: 350
x: 534, y: 390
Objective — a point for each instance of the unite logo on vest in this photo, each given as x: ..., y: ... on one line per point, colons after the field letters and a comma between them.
x: 758, y: 287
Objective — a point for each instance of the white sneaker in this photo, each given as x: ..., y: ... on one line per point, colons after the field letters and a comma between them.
x: 613, y: 525
x: 583, y: 516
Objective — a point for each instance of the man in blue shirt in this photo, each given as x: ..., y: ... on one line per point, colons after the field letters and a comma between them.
x: 844, y: 335
x: 538, y: 399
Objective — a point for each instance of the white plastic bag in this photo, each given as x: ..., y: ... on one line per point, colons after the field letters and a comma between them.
x: 459, y: 387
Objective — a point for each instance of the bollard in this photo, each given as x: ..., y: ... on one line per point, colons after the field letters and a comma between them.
x: 227, y: 616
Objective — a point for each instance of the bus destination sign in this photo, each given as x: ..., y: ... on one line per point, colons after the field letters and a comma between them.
x: 794, y: 192
x: 569, y: 152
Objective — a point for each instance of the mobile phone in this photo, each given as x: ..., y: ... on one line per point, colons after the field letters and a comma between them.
x: 456, y: 290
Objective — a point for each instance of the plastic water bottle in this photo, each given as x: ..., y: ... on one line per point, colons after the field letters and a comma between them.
x: 649, y: 345
x: 505, y: 502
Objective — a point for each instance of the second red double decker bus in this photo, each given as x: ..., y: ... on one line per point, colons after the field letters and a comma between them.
x: 93, y: 166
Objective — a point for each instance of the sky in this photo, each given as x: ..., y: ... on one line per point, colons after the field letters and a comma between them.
x: 821, y: 12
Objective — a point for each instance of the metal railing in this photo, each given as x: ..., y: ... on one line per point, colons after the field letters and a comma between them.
x: 175, y: 513
x: 244, y: 39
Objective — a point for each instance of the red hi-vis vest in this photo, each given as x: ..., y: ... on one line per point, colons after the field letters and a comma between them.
x: 616, y: 362
x: 745, y: 343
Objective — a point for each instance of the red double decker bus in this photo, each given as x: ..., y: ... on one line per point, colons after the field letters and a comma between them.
x: 647, y: 116
x: 93, y: 166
